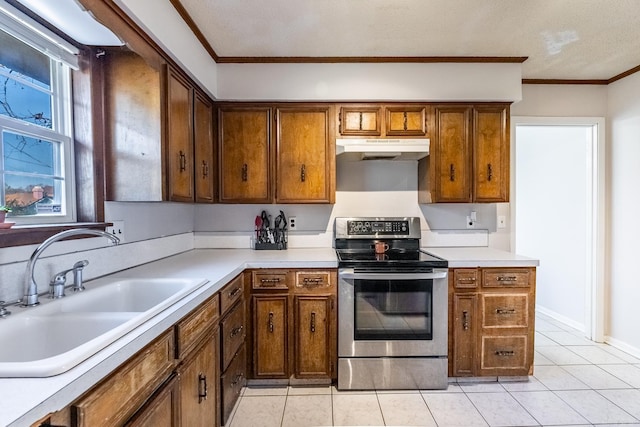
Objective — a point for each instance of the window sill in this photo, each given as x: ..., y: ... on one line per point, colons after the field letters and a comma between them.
x: 20, y: 235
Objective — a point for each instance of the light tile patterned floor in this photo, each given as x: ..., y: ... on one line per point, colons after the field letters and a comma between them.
x: 576, y: 383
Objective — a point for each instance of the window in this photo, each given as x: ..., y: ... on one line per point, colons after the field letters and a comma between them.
x: 36, y: 144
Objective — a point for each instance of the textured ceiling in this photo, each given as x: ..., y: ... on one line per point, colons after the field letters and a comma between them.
x: 563, y: 39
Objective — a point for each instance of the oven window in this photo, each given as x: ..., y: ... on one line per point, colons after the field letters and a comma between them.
x: 393, y: 309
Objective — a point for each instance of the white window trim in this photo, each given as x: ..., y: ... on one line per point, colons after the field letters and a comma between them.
x: 62, y: 131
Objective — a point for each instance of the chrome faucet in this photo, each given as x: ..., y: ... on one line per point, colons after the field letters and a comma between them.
x: 59, y: 280
x: 30, y: 297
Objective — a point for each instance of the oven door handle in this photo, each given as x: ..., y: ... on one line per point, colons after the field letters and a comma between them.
x: 349, y: 274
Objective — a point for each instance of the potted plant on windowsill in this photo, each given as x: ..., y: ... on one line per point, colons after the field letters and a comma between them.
x: 3, y: 213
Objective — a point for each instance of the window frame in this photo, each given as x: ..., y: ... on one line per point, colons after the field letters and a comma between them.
x: 61, y: 132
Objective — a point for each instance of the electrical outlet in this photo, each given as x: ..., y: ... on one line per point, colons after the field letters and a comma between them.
x: 293, y: 225
x: 502, y: 221
x: 117, y: 229
x: 470, y: 222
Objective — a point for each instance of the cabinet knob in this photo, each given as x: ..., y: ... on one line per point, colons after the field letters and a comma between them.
x: 245, y: 172
x: 182, y: 157
x: 465, y: 320
x: 202, y: 387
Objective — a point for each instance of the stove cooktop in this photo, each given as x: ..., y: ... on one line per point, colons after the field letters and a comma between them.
x: 362, y: 258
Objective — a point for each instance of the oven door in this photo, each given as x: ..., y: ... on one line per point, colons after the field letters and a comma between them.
x: 387, y: 314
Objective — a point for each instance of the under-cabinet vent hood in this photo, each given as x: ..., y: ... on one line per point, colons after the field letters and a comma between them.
x: 382, y: 149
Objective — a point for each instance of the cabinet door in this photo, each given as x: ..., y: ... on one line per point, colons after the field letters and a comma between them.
x: 161, y: 410
x: 205, y: 164
x: 179, y: 147
x: 453, y: 155
x: 199, y: 385
x: 360, y: 120
x: 270, y: 346
x: 406, y: 120
x: 244, y: 155
x: 313, y: 353
x: 491, y: 153
x: 305, y: 156
x: 464, y: 334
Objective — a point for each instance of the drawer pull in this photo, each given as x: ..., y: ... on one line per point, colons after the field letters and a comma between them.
x: 271, y: 322
x: 452, y: 173
x: 234, y: 292
x: 465, y: 320
x: 303, y: 173
x: 202, y: 387
x: 312, y: 327
x: 269, y: 282
x: 467, y: 279
x: 312, y: 280
x: 507, y: 278
x: 505, y: 311
x: 236, y: 331
x: 505, y: 353
x: 205, y: 169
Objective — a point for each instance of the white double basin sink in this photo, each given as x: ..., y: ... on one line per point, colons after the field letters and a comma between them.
x: 57, y: 335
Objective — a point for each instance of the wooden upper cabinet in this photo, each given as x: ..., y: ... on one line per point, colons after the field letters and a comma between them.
x: 469, y: 155
x: 179, y: 142
x: 406, y: 120
x: 491, y: 153
x: 205, y: 160
x: 360, y: 120
x: 244, y: 144
x: 453, y: 154
x: 305, y: 155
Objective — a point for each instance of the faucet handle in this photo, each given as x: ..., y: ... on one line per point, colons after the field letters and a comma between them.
x: 56, y: 286
x: 77, y: 275
x: 3, y: 310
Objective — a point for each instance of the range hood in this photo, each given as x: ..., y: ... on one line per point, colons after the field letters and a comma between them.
x: 382, y: 149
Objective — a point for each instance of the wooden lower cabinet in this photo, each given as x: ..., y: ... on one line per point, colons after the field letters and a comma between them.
x: 270, y: 323
x: 313, y: 336
x: 294, y: 324
x: 231, y: 382
x: 198, y: 384
x: 491, y: 321
x: 160, y: 410
x: 117, y: 398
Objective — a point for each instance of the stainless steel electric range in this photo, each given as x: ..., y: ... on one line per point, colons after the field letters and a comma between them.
x: 392, y: 307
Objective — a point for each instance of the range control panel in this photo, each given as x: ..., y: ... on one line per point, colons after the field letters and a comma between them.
x: 386, y: 227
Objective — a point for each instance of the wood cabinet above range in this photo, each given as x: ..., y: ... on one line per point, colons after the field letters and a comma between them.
x: 384, y: 120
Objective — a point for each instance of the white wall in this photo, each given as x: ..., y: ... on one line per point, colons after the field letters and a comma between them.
x: 375, y: 81
x: 624, y: 208
x: 551, y: 211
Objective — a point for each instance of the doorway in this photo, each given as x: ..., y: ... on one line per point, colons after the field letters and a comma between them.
x: 558, y: 215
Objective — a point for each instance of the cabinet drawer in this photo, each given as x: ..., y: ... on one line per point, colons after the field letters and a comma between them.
x: 313, y: 280
x: 504, y: 353
x: 116, y: 399
x: 195, y: 325
x: 269, y: 280
x: 505, y: 311
x: 233, y: 333
x: 502, y: 278
x: 231, y: 293
x: 465, y: 278
x: 231, y: 383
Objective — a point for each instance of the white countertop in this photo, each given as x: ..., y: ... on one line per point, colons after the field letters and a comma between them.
x: 24, y: 401
x: 482, y: 257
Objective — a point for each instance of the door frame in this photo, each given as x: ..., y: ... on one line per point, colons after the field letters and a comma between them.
x: 596, y: 217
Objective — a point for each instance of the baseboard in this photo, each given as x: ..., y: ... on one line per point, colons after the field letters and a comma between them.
x: 560, y: 318
x: 621, y: 345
